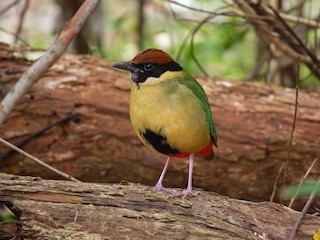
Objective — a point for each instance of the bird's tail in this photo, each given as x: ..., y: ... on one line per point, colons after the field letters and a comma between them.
x: 207, y: 152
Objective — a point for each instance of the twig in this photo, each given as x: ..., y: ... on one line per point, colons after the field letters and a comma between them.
x: 276, y: 183
x: 289, y: 156
x: 6, y: 8
x: 192, y: 35
x: 38, y: 161
x: 287, y: 35
x: 296, y: 20
x: 295, y: 36
x: 302, y: 180
x: 295, y: 6
x: 24, y: 42
x: 37, y: 133
x: 188, y: 7
x: 303, y: 213
x: 231, y: 13
x: 141, y: 24
x: 285, y: 164
x: 69, y: 30
x: 184, y: 42
x: 276, y: 33
x: 289, y: 18
x: 192, y: 45
x: 21, y: 18
x: 194, y: 31
x: 76, y: 216
x: 312, y: 196
x: 265, y: 34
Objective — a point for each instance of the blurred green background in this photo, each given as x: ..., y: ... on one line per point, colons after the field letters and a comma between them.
x: 225, y: 46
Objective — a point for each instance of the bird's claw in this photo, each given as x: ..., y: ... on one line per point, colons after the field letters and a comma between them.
x: 158, y: 187
x: 174, y: 193
x: 184, y: 193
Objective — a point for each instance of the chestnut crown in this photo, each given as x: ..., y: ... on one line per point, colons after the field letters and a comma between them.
x: 151, y: 62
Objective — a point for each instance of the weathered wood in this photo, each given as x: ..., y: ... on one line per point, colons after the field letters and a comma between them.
x: 253, y: 122
x: 50, y: 209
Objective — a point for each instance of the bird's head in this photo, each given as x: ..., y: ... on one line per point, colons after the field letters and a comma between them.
x: 149, y: 63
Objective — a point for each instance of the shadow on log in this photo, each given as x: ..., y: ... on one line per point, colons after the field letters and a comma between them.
x: 51, y: 209
x: 253, y: 122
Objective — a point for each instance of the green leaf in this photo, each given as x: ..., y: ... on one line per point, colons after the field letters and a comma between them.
x: 304, y: 190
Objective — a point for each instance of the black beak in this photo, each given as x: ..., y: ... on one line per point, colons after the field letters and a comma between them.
x: 128, y: 66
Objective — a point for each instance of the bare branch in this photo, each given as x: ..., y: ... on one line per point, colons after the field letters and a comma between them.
x: 302, y: 45
x: 302, y: 180
x: 21, y: 18
x: 37, y: 133
x: 141, y: 24
x: 69, y: 30
x: 8, y: 7
x: 289, y: 156
x: 38, y: 161
x: 274, y: 190
x: 296, y: 20
x: 303, y: 213
x: 194, y: 31
x: 24, y: 42
x: 234, y: 13
x: 274, y: 30
x: 262, y: 29
x: 190, y: 8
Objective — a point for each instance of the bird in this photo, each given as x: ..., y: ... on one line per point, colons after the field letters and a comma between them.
x: 169, y: 111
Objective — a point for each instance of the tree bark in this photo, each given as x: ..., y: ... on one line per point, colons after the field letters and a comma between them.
x: 253, y: 122
x: 50, y: 209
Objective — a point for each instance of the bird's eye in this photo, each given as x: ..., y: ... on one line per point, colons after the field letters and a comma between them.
x: 148, y: 66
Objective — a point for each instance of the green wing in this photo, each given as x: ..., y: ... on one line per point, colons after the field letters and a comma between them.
x: 198, y: 91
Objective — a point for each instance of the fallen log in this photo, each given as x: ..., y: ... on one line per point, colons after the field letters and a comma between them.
x: 253, y: 122
x: 52, y: 209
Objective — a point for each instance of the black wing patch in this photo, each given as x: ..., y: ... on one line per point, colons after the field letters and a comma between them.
x: 159, y: 142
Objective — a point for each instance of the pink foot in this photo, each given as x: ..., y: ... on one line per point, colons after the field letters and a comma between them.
x: 159, y: 187
x: 184, y: 193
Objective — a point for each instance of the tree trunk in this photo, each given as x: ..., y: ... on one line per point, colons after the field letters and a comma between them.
x: 49, y: 209
x: 253, y: 122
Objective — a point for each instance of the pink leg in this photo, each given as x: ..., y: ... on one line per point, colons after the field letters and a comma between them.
x: 188, y: 191
x: 159, y: 185
x: 189, y: 187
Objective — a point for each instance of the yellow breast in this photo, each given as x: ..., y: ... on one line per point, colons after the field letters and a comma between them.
x: 169, y: 108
